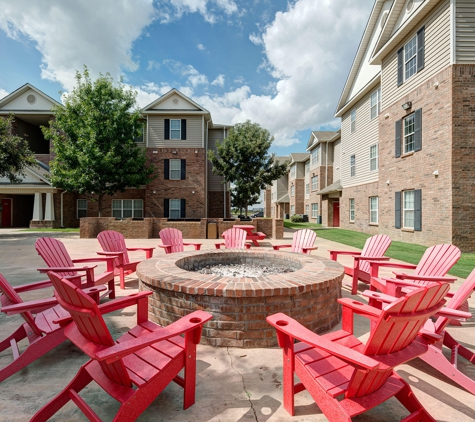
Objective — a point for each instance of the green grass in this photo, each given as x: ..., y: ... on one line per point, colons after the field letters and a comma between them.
x: 59, y: 230
x: 406, y: 252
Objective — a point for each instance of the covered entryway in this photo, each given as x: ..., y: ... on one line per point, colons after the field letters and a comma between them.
x: 331, y: 204
x: 6, y: 211
x: 336, y: 214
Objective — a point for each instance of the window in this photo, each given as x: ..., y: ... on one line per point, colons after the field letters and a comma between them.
x: 408, y: 209
x: 315, y: 155
x: 174, y: 208
x: 352, y: 209
x: 353, y: 166
x: 373, y: 157
x: 127, y: 208
x: 292, y: 190
x: 307, y: 209
x: 353, y: 120
x: 373, y: 209
x: 174, y: 169
x: 307, y: 167
x: 314, y: 210
x: 81, y: 208
x: 175, y: 129
x: 292, y: 209
x: 315, y: 183
x: 140, y: 137
x: 408, y: 136
x: 375, y: 105
x: 293, y: 171
x: 410, y: 58
x: 307, y: 188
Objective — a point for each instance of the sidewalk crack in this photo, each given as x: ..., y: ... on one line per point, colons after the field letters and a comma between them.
x: 248, y: 393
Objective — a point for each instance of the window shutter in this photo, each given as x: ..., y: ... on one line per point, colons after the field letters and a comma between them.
x: 418, y: 210
x: 183, y: 129
x: 167, y: 129
x: 420, y: 48
x: 182, y: 208
x: 183, y: 169
x: 418, y: 130
x: 397, y: 208
x: 400, y: 66
x: 397, y: 141
x: 166, y: 208
x: 166, y: 169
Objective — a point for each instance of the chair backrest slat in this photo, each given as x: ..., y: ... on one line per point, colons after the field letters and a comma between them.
x: 112, y: 241
x: 54, y: 254
x: 375, y: 246
x: 173, y: 237
x: 304, y: 238
x: 437, y: 260
x: 234, y: 238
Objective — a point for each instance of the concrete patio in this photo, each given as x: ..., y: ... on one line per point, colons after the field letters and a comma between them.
x: 232, y: 384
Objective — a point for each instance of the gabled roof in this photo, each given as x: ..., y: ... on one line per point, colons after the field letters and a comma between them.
x: 188, y: 106
x: 334, y: 187
x: 22, y: 90
x: 322, y: 136
x: 281, y: 160
x: 298, y: 157
x: 283, y: 199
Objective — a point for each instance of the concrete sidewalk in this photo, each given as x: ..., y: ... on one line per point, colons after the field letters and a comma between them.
x: 232, y: 384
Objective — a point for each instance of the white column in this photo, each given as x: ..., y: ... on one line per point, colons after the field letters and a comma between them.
x: 49, y: 207
x: 38, y: 207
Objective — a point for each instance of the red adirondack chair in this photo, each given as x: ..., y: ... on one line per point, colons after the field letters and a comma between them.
x: 433, y: 267
x: 439, y: 336
x: 172, y: 240
x: 42, y: 333
x: 346, y: 377
x: 134, y: 369
x: 234, y: 238
x: 113, y: 244
x: 374, y: 249
x: 302, y: 242
x: 57, y: 258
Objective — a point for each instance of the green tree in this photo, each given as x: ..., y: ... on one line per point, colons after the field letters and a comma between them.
x: 93, y: 138
x: 243, y: 159
x: 15, y: 153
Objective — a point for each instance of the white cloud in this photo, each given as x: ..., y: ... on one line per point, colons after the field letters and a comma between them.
x: 70, y: 35
x: 211, y: 10
x: 152, y: 64
x: 219, y: 81
x: 3, y: 93
x: 201, y: 47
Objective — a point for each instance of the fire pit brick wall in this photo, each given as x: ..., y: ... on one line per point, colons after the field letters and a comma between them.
x: 240, y: 306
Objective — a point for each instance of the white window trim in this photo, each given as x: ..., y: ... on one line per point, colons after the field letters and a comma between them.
x: 314, y: 181
x: 352, y: 209
x: 404, y: 209
x: 412, y: 134
x: 373, y: 211
x: 352, y: 165
x: 314, y: 210
x: 375, y: 105
x: 176, y: 162
x: 414, y: 56
x: 373, y: 159
x: 353, y: 120
x: 175, y: 130
x: 81, y: 208
x: 134, y: 208
x: 174, y: 208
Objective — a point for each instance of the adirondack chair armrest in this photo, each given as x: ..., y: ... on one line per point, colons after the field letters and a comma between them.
x: 247, y: 245
x: 445, y: 279
x: 453, y: 314
x: 379, y: 296
x: 33, y: 286
x: 148, y: 251
x: 334, y: 254
x: 359, y: 308
x: 34, y: 306
x: 190, y: 322
x: 430, y: 336
x: 123, y: 302
x: 168, y: 248
x: 66, y: 269
x: 218, y: 245
x: 197, y: 246
x: 374, y: 266
x: 286, y: 325
x: 372, y: 258
x: 278, y: 247
x: 98, y: 259
x: 313, y: 248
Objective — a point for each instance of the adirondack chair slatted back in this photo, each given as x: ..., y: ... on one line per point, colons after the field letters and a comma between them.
x: 375, y: 246
x: 112, y: 241
x: 11, y: 297
x: 437, y: 261
x: 234, y: 238
x: 55, y: 254
x: 396, y: 328
x: 90, y: 324
x: 303, y: 239
x: 456, y: 301
x: 172, y: 237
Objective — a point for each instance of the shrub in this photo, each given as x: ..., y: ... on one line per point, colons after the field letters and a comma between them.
x: 296, y: 218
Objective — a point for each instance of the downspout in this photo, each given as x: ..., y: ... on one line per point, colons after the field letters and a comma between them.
x: 62, y: 193
x: 205, y: 140
x: 224, y: 184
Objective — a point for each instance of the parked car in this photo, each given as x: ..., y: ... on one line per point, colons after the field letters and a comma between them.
x: 258, y: 214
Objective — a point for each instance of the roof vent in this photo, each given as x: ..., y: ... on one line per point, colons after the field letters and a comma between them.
x: 175, y: 101
x: 31, y: 99
x: 383, y: 19
x: 409, y: 5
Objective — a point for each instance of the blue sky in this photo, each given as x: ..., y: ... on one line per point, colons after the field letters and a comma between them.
x: 279, y: 63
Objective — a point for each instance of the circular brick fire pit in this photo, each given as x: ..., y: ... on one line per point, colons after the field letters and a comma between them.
x: 241, y: 305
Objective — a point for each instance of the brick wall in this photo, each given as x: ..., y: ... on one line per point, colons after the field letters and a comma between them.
x: 298, y: 200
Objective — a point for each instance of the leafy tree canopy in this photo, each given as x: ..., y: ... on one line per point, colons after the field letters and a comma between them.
x: 15, y: 153
x: 243, y: 159
x: 93, y: 138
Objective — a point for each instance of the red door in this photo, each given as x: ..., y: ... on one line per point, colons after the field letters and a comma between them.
x: 336, y: 214
x: 6, y: 212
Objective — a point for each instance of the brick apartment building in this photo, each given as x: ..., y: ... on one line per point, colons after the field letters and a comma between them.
x: 177, y: 135
x: 408, y: 124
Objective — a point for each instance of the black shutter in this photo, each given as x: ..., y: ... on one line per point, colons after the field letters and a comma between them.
x: 183, y: 129
x: 397, y: 140
x: 400, y: 66
x: 182, y: 208
x: 167, y: 129
x: 418, y: 130
x: 397, y: 210
x: 418, y: 210
x: 166, y: 208
x: 183, y: 169
x: 420, y: 48
x: 166, y: 168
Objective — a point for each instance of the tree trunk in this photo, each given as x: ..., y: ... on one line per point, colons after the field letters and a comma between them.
x: 99, y: 204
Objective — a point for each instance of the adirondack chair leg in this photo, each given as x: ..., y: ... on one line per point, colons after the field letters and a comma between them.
x: 111, y: 288
x: 81, y: 380
x: 451, y: 343
x: 122, y: 278
x: 408, y: 399
x: 38, y: 347
x: 190, y: 372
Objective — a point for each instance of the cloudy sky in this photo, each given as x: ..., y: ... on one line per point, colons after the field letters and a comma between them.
x: 279, y: 63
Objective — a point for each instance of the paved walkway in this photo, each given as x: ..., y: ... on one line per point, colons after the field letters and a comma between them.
x: 232, y: 384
